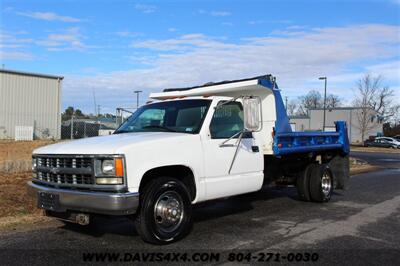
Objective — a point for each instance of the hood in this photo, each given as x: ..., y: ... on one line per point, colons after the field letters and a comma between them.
x: 112, y: 144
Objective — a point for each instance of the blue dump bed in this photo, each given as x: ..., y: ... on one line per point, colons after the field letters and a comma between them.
x: 303, y: 142
x: 288, y: 142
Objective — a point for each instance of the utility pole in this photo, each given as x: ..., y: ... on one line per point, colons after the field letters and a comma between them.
x: 286, y: 103
x: 326, y: 79
x: 72, y: 124
x: 94, y: 100
x: 137, y: 98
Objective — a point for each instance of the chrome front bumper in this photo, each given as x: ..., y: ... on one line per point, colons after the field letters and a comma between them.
x: 91, y: 202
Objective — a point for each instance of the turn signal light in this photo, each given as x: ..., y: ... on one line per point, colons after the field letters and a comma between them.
x: 119, y: 167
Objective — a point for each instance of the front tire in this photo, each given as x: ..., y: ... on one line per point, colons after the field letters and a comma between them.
x: 321, y: 183
x: 165, y: 211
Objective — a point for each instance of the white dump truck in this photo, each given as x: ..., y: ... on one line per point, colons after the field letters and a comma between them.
x: 188, y: 145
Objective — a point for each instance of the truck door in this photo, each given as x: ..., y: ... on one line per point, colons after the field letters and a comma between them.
x: 246, y: 174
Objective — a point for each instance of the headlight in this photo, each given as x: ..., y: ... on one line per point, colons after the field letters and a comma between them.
x: 108, y: 167
x: 34, y: 164
x: 109, y: 171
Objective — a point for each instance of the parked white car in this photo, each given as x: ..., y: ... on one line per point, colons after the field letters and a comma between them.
x: 385, y: 142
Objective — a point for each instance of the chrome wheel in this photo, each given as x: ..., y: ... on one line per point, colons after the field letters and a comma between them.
x: 326, y: 184
x: 168, y: 211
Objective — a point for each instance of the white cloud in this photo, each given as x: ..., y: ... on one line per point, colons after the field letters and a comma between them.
x: 12, y: 39
x: 70, y: 39
x: 262, y: 21
x: 172, y: 29
x: 49, y: 16
x: 145, y: 8
x: 127, y: 33
x: 220, y: 13
x: 16, y: 55
x: 296, y: 59
x: 389, y: 70
x: 183, y: 43
x: 215, y: 13
x: 255, y: 22
x: 8, y: 9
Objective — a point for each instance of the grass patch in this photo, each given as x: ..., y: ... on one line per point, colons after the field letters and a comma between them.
x: 373, y: 149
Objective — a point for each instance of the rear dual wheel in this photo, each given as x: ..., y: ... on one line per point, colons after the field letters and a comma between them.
x: 303, y: 182
x: 321, y: 184
x: 315, y: 183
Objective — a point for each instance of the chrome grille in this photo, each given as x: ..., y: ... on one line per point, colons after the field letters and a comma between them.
x: 65, y: 178
x: 65, y: 170
x: 64, y: 162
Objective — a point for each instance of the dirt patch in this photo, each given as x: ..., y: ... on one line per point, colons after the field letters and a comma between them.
x: 16, y: 156
x: 14, y: 199
x: 363, y: 169
x: 16, y: 207
x: 358, y: 166
x: 22, y: 222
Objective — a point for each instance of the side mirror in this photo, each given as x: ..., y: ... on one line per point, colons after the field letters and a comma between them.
x: 252, y: 115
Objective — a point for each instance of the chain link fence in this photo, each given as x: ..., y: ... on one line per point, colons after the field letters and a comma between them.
x: 82, y: 128
x: 77, y: 128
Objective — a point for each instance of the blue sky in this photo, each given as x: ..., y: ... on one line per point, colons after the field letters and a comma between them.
x: 115, y: 47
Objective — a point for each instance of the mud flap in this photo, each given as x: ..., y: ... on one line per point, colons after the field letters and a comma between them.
x: 340, y: 167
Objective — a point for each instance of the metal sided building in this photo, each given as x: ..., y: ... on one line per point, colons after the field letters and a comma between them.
x: 30, y: 101
x: 315, y: 117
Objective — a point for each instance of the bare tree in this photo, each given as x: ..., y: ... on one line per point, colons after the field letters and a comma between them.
x: 333, y: 101
x: 373, y: 99
x: 312, y: 99
x: 291, y: 107
x: 365, y: 120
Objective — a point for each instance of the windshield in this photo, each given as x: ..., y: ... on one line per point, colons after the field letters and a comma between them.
x: 185, y: 116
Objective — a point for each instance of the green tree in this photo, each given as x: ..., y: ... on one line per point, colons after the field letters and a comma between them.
x: 70, y: 111
x: 79, y: 114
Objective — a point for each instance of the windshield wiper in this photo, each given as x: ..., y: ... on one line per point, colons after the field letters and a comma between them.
x: 161, y: 127
x: 121, y: 131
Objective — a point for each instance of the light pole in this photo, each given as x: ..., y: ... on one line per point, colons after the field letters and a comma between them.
x: 137, y: 98
x: 286, y: 103
x: 324, y: 78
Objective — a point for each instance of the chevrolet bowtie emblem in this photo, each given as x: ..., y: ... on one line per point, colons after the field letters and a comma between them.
x: 54, y: 170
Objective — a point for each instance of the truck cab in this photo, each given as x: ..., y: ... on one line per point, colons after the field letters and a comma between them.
x: 188, y: 146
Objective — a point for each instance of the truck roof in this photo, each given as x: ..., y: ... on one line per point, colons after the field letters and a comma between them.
x: 218, y: 83
x: 257, y: 84
x: 276, y: 136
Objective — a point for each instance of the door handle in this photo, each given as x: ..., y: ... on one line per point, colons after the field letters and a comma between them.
x: 255, y: 148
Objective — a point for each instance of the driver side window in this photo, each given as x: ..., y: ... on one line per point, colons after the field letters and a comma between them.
x: 227, y: 121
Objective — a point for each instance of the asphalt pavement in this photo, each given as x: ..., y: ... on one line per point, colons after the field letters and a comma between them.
x: 360, y: 225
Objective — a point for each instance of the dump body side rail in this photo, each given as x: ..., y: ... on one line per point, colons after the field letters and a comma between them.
x: 301, y: 142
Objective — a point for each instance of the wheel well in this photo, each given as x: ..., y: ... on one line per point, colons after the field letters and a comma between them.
x: 181, y: 172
